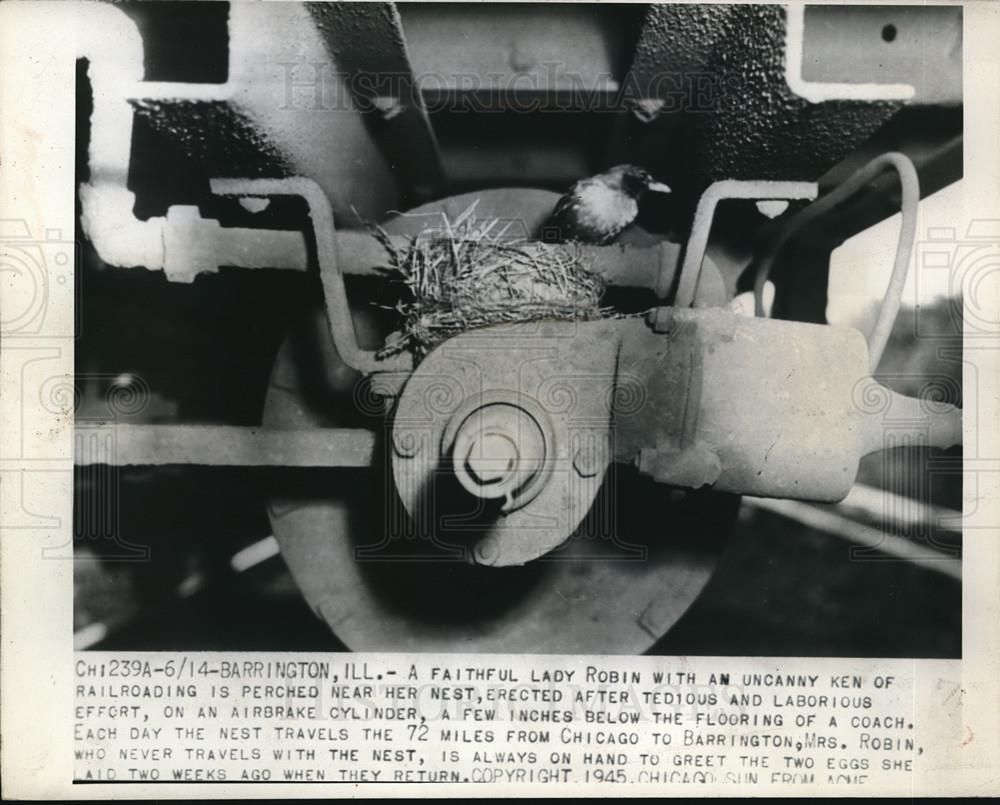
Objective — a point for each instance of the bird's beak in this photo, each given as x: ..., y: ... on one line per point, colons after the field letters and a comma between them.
x: 658, y: 187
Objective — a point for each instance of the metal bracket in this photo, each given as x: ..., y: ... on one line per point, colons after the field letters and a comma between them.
x: 337, y: 310
x: 909, y: 183
x: 694, y: 254
x: 819, y: 91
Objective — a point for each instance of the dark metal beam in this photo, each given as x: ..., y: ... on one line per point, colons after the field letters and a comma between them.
x: 366, y: 42
x: 713, y: 97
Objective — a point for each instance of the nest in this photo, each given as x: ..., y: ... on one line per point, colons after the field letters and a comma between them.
x: 466, y: 274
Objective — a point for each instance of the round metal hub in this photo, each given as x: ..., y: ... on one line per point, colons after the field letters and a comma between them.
x: 498, y: 452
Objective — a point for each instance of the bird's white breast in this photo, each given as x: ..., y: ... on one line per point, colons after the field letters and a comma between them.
x: 604, y: 209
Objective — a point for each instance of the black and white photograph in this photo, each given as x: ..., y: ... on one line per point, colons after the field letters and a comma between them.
x: 557, y: 337
x: 503, y: 394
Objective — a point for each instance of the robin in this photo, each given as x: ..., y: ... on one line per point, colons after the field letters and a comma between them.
x: 597, y: 209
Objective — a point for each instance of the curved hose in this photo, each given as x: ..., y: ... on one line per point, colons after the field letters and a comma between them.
x: 910, y: 186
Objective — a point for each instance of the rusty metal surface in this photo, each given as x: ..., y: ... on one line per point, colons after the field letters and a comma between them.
x: 286, y: 108
x: 710, y: 82
x: 221, y: 445
x: 719, y: 72
x: 217, y: 134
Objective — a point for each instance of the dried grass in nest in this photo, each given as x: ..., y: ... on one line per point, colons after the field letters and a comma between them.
x: 465, y: 275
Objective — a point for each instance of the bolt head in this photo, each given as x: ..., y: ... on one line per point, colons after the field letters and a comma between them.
x: 647, y: 110
x: 498, y: 451
x: 492, y: 458
x: 660, y: 319
x: 388, y: 106
x: 589, y: 460
x: 487, y: 551
x: 405, y: 443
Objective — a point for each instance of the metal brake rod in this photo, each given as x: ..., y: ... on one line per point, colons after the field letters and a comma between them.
x: 221, y: 445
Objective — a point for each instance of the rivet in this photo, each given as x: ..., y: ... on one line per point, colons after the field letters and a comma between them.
x: 588, y: 461
x: 405, y: 443
x: 487, y: 551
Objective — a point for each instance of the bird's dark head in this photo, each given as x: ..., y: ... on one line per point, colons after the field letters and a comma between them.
x: 634, y: 180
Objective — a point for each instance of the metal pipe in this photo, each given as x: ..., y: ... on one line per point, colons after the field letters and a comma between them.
x: 338, y: 311
x: 910, y: 198
x: 221, y: 445
x: 182, y: 244
x: 924, y: 422
x: 876, y: 539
